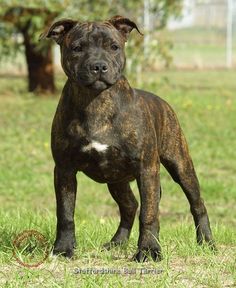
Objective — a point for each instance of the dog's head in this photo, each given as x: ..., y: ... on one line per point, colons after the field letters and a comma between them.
x: 92, y: 53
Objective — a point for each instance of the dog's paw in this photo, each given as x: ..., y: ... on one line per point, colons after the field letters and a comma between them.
x: 143, y: 255
x: 64, y: 248
x: 66, y: 252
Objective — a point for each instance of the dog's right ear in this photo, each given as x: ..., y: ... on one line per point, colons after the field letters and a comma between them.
x: 58, y: 30
x: 123, y: 25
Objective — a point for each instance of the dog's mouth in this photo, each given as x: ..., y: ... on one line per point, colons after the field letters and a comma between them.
x: 97, y: 83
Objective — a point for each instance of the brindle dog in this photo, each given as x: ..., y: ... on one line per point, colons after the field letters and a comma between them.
x: 115, y: 134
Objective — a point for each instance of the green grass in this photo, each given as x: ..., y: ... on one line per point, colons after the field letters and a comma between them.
x: 205, y: 103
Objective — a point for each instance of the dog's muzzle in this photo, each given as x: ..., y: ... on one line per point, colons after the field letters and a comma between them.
x: 99, y: 67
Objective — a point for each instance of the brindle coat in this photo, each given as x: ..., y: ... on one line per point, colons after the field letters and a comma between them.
x: 115, y: 134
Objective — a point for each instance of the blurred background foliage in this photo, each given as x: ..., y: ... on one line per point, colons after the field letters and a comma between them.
x: 22, y: 23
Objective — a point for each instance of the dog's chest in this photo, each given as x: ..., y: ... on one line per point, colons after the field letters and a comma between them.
x: 98, y: 150
x: 87, y: 137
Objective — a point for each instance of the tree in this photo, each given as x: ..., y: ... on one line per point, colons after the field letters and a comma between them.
x: 38, y: 57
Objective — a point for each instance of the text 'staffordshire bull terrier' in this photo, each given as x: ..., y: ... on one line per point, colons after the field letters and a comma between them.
x: 115, y: 134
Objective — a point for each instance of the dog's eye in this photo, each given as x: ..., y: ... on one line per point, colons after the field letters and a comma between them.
x: 78, y: 48
x: 114, y: 47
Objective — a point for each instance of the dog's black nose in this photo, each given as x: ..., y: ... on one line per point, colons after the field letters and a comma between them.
x: 99, y: 67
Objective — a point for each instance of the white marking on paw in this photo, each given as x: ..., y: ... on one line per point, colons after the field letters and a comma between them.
x: 99, y: 147
x: 52, y: 256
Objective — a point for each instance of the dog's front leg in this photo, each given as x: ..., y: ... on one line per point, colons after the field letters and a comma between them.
x: 65, y: 188
x: 149, y: 189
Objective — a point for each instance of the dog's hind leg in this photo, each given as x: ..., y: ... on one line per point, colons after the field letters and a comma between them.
x: 179, y: 164
x: 124, y: 197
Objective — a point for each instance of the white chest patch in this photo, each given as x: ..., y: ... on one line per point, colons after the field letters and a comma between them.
x: 99, y: 147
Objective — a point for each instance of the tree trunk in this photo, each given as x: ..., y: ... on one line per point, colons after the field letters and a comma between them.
x: 40, y: 67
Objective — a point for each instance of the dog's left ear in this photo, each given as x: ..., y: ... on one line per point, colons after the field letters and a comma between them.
x: 58, y: 30
x: 123, y: 25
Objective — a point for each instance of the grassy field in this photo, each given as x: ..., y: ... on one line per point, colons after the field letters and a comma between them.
x: 200, y: 47
x: 205, y: 103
